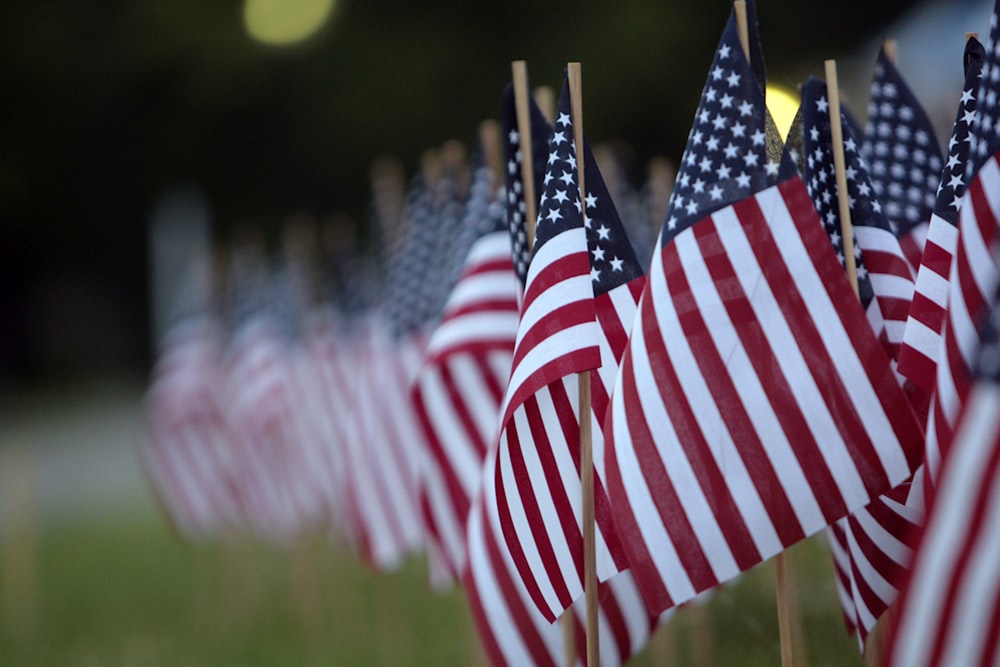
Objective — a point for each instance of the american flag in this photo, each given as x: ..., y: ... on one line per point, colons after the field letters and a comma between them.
x: 948, y: 613
x: 884, y: 279
x: 922, y: 335
x: 511, y: 628
x: 184, y: 450
x: 973, y: 270
x: 903, y: 157
x: 583, y: 282
x: 541, y: 130
x: 459, y: 388
x: 754, y: 405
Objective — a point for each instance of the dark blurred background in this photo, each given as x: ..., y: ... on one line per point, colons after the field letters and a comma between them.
x: 108, y: 106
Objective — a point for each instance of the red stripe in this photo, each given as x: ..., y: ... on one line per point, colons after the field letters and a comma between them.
x: 927, y: 312
x: 564, y: 317
x: 937, y: 259
x: 493, y: 305
x: 566, y: 267
x: 552, y: 371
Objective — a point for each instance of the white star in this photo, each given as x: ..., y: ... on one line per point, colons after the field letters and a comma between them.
x: 567, y: 177
x: 822, y: 105
x: 691, y: 207
x: 851, y: 173
x: 715, y: 193
x: 750, y: 159
x: 723, y: 171
x: 758, y: 138
x: 563, y: 119
x: 727, y: 101
x: 743, y: 180
x: 513, y: 137
x: 956, y: 181
x: 598, y: 254
x: 591, y: 200
x: 511, y: 167
x: 696, y: 137
x: 699, y: 186
x: 850, y: 146
x: 595, y: 274
x: 616, y: 264
x: 553, y: 157
x: 967, y: 96
x: 560, y: 196
x: 739, y: 129
x: 706, y: 164
x: 730, y: 150
x: 717, y: 73
x: 724, y: 51
x: 603, y: 233
x: 554, y: 214
x: 771, y: 168
x: 746, y: 108
x: 558, y: 138
x: 719, y: 122
x: 733, y: 79
x: 671, y: 223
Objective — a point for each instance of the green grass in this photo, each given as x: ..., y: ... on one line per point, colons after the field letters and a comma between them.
x: 128, y: 592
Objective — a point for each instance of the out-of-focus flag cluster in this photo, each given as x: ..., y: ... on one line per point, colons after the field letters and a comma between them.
x: 423, y: 395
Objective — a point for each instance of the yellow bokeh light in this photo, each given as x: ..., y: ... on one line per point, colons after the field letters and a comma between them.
x: 783, y: 105
x: 282, y: 22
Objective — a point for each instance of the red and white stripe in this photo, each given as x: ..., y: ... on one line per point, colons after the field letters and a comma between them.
x: 512, y: 629
x: 537, y: 473
x: 922, y: 335
x: 892, y: 283
x: 384, y: 454
x: 458, y: 391
x: 912, y: 244
x: 973, y: 275
x: 872, y: 554
x: 754, y: 406
x: 184, y: 450
x: 949, y: 612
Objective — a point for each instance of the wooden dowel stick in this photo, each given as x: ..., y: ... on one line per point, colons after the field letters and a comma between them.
x: 784, y: 617
x: 740, y: 9
x: 970, y: 35
x: 586, y: 436
x: 521, y: 99
x: 889, y: 46
x: 837, y: 135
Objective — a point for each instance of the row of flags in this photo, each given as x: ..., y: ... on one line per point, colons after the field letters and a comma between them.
x: 743, y: 394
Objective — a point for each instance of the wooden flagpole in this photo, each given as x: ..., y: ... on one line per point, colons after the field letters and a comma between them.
x: 521, y: 99
x: 586, y: 436
x: 521, y: 104
x: 837, y: 135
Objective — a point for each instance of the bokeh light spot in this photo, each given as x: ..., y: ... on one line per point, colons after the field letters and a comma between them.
x: 783, y: 105
x: 284, y: 22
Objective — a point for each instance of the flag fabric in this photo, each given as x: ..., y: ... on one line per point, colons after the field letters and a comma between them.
x: 511, y: 628
x: 949, y: 613
x: 885, y: 282
x: 458, y: 390
x: 541, y: 131
x: 903, y: 157
x: 754, y: 405
x: 184, y: 449
x: 582, y: 285
x: 922, y: 335
x: 973, y: 269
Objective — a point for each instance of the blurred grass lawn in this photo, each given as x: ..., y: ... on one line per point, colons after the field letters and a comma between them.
x: 128, y: 592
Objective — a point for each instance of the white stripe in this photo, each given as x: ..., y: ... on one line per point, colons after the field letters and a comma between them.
x: 478, y: 327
